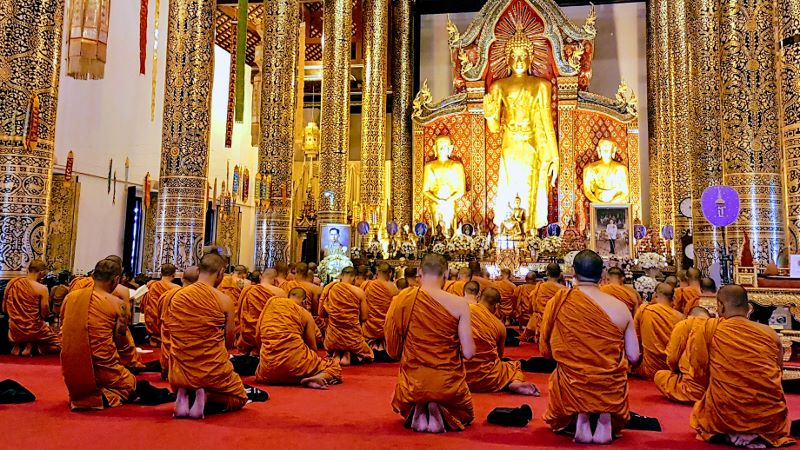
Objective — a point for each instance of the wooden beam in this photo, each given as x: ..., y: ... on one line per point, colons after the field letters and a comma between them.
x: 231, y: 12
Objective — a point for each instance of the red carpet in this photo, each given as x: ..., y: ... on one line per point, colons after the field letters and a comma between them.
x: 356, y: 414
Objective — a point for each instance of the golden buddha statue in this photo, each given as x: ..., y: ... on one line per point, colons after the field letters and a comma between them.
x: 311, y: 139
x: 443, y: 182
x: 511, y: 227
x: 520, y: 106
x: 605, y: 180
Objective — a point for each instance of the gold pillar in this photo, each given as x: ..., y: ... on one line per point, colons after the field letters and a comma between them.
x: 663, y: 119
x: 789, y: 72
x: 335, y: 115
x: 749, y: 125
x: 180, y: 224
x: 30, y: 62
x: 706, y: 154
x: 652, y: 117
x: 276, y: 150
x: 402, y: 81
x: 373, y: 105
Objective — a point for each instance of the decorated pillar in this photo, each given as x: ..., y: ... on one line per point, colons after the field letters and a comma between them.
x: 180, y: 224
x: 373, y: 105
x: 276, y: 150
x: 663, y: 118
x: 652, y: 119
x: 749, y: 123
x: 30, y: 63
x: 788, y: 15
x: 335, y: 115
x: 402, y: 85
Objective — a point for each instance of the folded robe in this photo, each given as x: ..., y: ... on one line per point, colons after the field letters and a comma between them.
x: 485, y: 371
x: 744, y: 395
x: 379, y: 297
x: 455, y: 287
x: 197, y: 354
x: 286, y: 357
x: 344, y: 334
x: 25, y: 322
x: 679, y: 383
x: 150, y: 307
x: 163, y: 304
x: 654, y: 324
x: 251, y: 303
x: 80, y: 283
x: 423, y: 335
x: 625, y: 294
x: 524, y: 302
x: 539, y: 299
x: 507, y: 307
x: 685, y: 296
x: 591, y: 375
x: 231, y: 286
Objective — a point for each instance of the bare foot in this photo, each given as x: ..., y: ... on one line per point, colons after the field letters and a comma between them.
x: 602, y: 434
x: 181, y: 404
x: 27, y: 350
x: 345, y: 361
x: 524, y: 388
x: 745, y: 440
x: 15, y: 351
x: 435, y: 419
x: 419, y: 422
x: 583, y: 429
x: 316, y: 382
x: 199, y: 406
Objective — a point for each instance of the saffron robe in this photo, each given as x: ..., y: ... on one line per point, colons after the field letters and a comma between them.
x: 592, y: 371
x: 90, y: 360
x: 232, y: 287
x: 679, y: 383
x: 508, y: 300
x: 654, y: 324
x: 685, y: 296
x: 379, y: 297
x: 343, y: 309
x: 25, y: 323
x: 539, y: 299
x: 482, y: 282
x: 252, y: 302
x: 524, y: 302
x: 198, y: 357
x: 455, y: 287
x: 163, y: 305
x: 150, y: 307
x: 423, y: 335
x: 625, y: 294
x: 485, y: 371
x: 285, y: 356
x: 80, y: 283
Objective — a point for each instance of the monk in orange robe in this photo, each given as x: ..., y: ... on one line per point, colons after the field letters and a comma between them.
x: 430, y: 332
x: 26, y: 302
x: 156, y: 288
x: 282, y: 276
x: 232, y: 286
x: 507, y: 307
x: 401, y: 283
x: 689, y: 295
x: 81, y: 282
x: 362, y: 276
x: 190, y: 275
x: 679, y: 383
x: 379, y: 294
x: 588, y: 333
x: 312, y: 291
x: 199, y: 320
x: 345, y: 307
x: 744, y: 404
x: 617, y: 288
x: 708, y: 291
x: 524, y: 300
x: 93, y: 331
x: 486, y: 372
x: 252, y: 301
x: 472, y: 291
x: 456, y: 287
x: 412, y: 276
x: 539, y: 297
x: 478, y: 275
x: 654, y: 324
x: 288, y: 346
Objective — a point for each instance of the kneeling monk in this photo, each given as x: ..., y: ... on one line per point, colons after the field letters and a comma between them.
x: 617, y: 288
x: 94, y: 329
x: 345, y: 306
x: 744, y: 404
x: 485, y: 371
x: 287, y: 338
x: 588, y: 333
x: 539, y: 297
x: 429, y: 331
x: 654, y: 324
x: 149, y: 304
x: 199, y: 321
x: 679, y: 383
x: 26, y: 302
x: 379, y: 294
x: 251, y: 303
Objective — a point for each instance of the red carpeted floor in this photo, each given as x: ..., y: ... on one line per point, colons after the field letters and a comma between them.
x: 356, y: 414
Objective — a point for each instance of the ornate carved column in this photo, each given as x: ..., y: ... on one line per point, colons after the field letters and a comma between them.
x: 402, y: 85
x: 704, y: 131
x: 30, y: 63
x: 663, y: 118
x: 749, y: 125
x: 652, y: 117
x: 184, y: 141
x: 373, y: 104
x: 276, y: 149
x: 788, y: 15
x: 335, y: 115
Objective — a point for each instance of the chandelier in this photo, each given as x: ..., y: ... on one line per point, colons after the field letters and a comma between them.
x: 88, y: 36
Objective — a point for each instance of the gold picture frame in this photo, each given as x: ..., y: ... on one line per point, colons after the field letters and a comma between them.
x: 601, y: 226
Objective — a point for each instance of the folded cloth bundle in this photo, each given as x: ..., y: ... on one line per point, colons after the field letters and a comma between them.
x: 151, y: 395
x: 13, y: 392
x: 245, y: 366
x: 511, y: 417
x: 538, y: 364
x: 642, y: 423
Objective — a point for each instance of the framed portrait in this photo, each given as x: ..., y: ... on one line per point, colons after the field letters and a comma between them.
x: 611, y: 230
x: 334, y: 238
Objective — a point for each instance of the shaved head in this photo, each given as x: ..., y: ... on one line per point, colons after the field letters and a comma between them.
x: 554, y: 271
x: 168, y: 270
x: 434, y: 265
x: 37, y: 266
x: 106, y: 270
x: 282, y: 268
x: 588, y: 266
x: 240, y: 270
x: 530, y: 277
x: 707, y: 285
x: 212, y: 263
x: 465, y: 274
x: 733, y: 301
x: 472, y: 288
x: 693, y: 275
x: 616, y: 273
x: 671, y: 280
x: 401, y: 283
x: 665, y: 291
x: 190, y: 275
x: 490, y: 296
x: 699, y: 311
x: 297, y: 294
x: 384, y: 271
x: 269, y: 273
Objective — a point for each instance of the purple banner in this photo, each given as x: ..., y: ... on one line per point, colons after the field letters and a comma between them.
x: 720, y: 205
x: 363, y: 228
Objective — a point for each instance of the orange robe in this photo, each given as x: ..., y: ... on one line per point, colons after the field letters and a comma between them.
x: 679, y: 383
x: 285, y: 357
x: 654, y: 324
x: 80, y: 283
x: 524, y: 302
x: 289, y: 285
x: 344, y: 334
x: 455, y: 287
x: 150, y: 307
x: 253, y: 299
x: 625, y: 294
x: 482, y: 282
x: 163, y: 305
x: 230, y: 287
x: 90, y: 360
x: 744, y: 394
x: 25, y: 322
x: 431, y: 366
x: 685, y: 296
x: 508, y: 300
x: 539, y: 299
x: 485, y: 371
x: 197, y: 354
x: 378, y: 300
x: 592, y: 371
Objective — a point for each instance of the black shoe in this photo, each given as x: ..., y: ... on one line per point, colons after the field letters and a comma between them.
x: 511, y: 417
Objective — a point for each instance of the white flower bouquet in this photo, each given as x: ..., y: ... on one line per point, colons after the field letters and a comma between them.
x: 375, y: 247
x: 479, y: 242
x: 533, y: 243
x: 408, y: 248
x: 439, y: 248
x: 645, y: 286
x: 331, y: 266
x: 462, y: 243
x: 550, y: 245
x: 650, y: 260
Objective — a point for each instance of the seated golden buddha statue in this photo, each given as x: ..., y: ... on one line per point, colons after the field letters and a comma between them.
x: 605, y: 180
x: 311, y: 139
x: 514, y: 224
x: 443, y: 182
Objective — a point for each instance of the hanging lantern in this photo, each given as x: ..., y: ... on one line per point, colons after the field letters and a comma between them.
x: 88, y: 36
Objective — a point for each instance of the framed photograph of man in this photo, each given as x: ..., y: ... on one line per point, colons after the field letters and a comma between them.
x: 611, y: 233
x: 334, y: 238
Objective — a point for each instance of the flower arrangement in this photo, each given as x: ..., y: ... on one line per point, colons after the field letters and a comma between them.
x: 550, y: 245
x: 451, y: 248
x: 645, y: 286
x: 533, y: 243
x: 650, y: 260
x: 408, y: 248
x: 462, y: 243
x: 439, y: 248
x: 374, y: 247
x: 569, y: 258
x: 479, y: 242
x: 331, y: 266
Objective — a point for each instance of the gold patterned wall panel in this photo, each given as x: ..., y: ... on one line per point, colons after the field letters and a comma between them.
x: 567, y: 103
x: 789, y: 67
x: 402, y: 81
x: 30, y: 59
x: 62, y: 224
x: 229, y: 233
x: 663, y: 111
x: 652, y: 99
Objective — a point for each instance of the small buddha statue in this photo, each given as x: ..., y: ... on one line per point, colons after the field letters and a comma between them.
x: 510, y: 227
x: 443, y: 182
x: 605, y: 180
x: 518, y: 214
x: 311, y: 139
